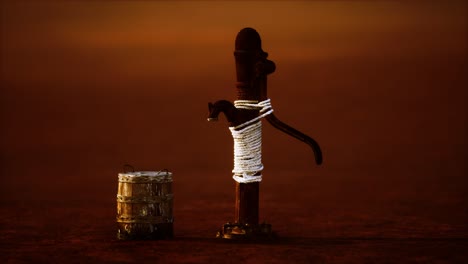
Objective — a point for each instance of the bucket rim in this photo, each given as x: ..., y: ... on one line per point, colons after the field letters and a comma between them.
x: 162, y: 173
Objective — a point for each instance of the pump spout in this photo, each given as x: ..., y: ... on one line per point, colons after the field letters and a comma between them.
x: 222, y: 106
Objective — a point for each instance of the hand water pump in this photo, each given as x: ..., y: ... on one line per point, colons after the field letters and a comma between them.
x: 252, y: 104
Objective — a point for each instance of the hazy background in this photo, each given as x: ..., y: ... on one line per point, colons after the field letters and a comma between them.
x: 88, y: 86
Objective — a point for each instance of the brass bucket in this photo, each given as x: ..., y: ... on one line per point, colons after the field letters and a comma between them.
x: 144, y: 205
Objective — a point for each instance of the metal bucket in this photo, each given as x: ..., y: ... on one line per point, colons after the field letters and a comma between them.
x: 144, y: 205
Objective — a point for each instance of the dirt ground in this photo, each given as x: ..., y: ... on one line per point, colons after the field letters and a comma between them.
x: 310, y: 229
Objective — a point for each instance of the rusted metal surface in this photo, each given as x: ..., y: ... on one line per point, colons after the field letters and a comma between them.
x: 252, y: 68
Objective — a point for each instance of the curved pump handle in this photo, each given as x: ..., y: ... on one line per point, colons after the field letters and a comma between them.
x: 232, y: 115
x: 276, y: 123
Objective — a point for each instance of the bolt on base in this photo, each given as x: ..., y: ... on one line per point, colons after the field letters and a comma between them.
x: 239, y: 231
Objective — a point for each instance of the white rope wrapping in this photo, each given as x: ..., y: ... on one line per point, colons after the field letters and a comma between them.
x: 248, y: 142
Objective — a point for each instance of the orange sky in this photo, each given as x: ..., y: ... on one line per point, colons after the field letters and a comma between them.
x: 87, y: 86
x: 141, y: 39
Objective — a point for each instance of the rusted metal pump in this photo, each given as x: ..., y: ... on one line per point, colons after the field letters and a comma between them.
x: 252, y: 67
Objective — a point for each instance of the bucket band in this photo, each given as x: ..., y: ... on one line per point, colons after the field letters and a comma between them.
x: 145, y: 176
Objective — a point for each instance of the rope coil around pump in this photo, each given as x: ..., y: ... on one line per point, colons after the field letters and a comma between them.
x: 248, y: 142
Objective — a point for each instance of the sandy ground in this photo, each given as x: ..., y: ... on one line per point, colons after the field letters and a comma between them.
x: 311, y: 229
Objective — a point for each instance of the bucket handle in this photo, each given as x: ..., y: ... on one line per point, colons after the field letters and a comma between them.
x: 166, y: 171
x: 130, y: 168
x: 126, y: 166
